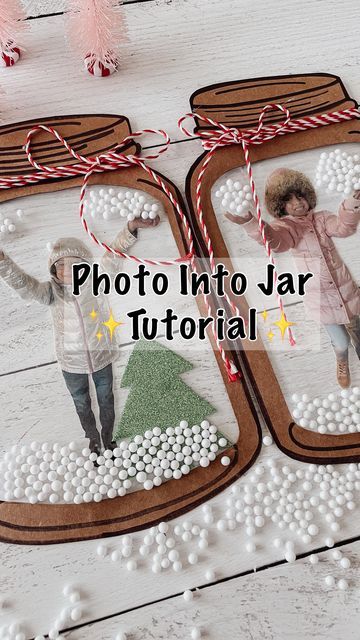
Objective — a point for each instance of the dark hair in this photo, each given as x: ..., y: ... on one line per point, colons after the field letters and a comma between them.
x: 286, y: 197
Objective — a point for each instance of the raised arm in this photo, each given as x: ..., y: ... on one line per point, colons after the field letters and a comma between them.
x: 26, y: 286
x: 281, y: 236
x: 124, y: 240
x: 347, y: 220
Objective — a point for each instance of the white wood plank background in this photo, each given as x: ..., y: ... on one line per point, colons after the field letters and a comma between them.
x: 157, y: 77
x: 297, y: 594
x: 174, y: 48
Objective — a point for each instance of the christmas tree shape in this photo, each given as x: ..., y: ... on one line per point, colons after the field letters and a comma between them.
x: 158, y: 397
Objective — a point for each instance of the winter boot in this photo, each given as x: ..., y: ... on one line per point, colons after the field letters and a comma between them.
x: 353, y: 329
x: 95, y: 448
x: 343, y: 373
x: 110, y: 446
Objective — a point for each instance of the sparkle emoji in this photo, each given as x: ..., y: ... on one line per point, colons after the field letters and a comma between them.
x: 283, y: 325
x: 111, y: 324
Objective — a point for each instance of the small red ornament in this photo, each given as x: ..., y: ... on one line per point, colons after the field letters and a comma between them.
x: 9, y: 55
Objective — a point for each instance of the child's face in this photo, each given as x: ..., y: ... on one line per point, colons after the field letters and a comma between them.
x: 296, y: 205
x: 64, y: 269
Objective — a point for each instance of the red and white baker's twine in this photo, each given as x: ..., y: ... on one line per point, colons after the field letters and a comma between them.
x: 221, y: 136
x: 105, y: 162
x: 109, y: 162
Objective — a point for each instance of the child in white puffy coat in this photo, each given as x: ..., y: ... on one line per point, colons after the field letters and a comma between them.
x: 79, y: 351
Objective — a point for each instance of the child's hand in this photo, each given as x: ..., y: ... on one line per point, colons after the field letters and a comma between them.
x: 140, y: 223
x: 239, y: 219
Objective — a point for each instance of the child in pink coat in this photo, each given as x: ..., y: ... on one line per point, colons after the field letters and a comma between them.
x: 290, y: 198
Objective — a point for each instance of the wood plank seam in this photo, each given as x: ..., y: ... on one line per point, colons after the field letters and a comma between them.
x: 202, y: 587
x: 45, y: 364
x: 61, y: 13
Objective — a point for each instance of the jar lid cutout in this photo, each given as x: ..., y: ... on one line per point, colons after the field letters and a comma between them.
x: 239, y: 104
x: 88, y: 135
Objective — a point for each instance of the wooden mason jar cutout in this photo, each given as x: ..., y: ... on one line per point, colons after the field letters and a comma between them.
x: 43, y: 523
x: 239, y: 105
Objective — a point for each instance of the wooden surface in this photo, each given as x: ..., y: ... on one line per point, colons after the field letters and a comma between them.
x: 174, y: 48
x: 244, y: 608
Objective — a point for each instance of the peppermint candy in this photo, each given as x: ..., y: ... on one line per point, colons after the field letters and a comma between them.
x: 9, y: 55
x: 98, y: 68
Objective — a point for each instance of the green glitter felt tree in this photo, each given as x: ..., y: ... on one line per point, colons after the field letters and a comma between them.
x: 158, y: 397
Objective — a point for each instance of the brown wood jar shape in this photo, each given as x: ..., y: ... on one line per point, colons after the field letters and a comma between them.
x: 239, y: 104
x: 26, y: 523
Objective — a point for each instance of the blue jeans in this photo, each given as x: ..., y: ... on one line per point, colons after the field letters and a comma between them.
x: 78, y: 385
x: 342, y: 334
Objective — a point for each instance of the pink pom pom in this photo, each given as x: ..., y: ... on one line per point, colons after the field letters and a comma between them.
x: 9, y: 56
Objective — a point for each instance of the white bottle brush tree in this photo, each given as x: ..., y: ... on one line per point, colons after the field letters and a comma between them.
x: 97, y: 29
x: 12, y: 23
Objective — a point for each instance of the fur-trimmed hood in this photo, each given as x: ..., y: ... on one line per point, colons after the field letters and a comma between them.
x: 77, y: 344
x: 281, y: 184
x: 68, y: 247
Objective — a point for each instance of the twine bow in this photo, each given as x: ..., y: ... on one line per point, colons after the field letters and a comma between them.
x: 109, y: 161
x: 223, y: 135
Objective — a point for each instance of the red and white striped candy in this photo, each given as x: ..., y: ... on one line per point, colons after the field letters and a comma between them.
x: 97, y: 68
x: 9, y: 55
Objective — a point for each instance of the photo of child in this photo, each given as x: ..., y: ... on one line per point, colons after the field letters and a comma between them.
x: 307, y: 234
x: 80, y: 351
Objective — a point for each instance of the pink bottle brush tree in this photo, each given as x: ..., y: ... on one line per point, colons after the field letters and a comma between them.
x: 97, y: 29
x: 12, y: 23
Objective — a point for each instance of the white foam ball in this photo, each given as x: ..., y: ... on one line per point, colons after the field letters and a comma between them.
x: 102, y: 550
x: 173, y: 555
x: 131, y: 565
x: 177, y: 566
x: 314, y: 559
x: 290, y: 555
x: 193, y: 558
x: 343, y: 584
x: 345, y: 563
x: 76, y: 614
x: 188, y: 595
x: 329, y: 581
x: 115, y: 555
